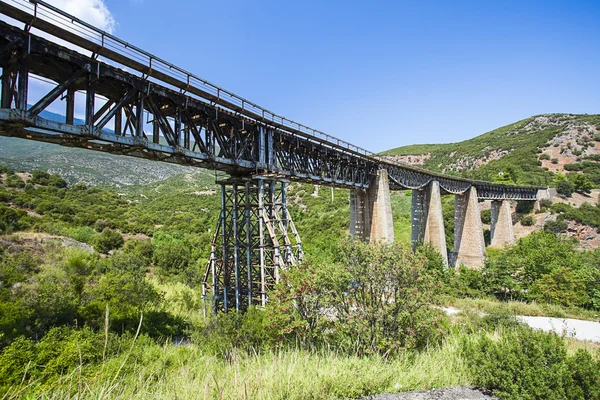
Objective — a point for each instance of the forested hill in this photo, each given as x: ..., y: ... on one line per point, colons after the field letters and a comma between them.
x: 84, y: 166
x: 531, y: 151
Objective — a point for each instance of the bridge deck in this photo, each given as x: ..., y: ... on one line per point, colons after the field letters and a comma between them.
x: 161, y: 112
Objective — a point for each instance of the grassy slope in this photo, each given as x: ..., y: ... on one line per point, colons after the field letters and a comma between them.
x: 521, y: 143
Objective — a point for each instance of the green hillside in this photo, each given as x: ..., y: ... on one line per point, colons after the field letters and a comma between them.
x: 512, y: 153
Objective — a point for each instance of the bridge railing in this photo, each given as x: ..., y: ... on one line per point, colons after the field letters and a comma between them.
x: 47, y: 18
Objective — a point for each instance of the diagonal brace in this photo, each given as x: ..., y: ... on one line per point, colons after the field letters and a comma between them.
x: 54, y: 94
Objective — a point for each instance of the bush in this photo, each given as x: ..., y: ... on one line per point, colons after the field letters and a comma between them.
x: 107, y: 240
x: 527, y: 220
x: 486, y: 216
x: 582, y: 185
x: 554, y: 161
x: 527, y: 365
x: 545, y: 203
x: 83, y: 234
x: 524, y: 207
x: 40, y: 177
x: 377, y: 293
x: 565, y: 188
x: 544, y: 156
x: 557, y: 226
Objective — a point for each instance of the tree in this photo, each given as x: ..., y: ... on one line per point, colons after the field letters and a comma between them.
x: 565, y: 187
x: 562, y: 286
x: 582, y: 185
x: 375, y: 297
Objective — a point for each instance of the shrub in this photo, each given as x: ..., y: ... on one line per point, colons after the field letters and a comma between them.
x: 565, y: 187
x: 377, y: 292
x: 527, y: 220
x: 562, y: 286
x: 107, y: 240
x: 581, y: 184
x: 486, y: 216
x: 83, y: 234
x: 544, y: 156
x: 554, y: 161
x: 545, y: 203
x: 527, y: 365
x: 40, y: 177
x: 557, y: 226
x: 524, y: 207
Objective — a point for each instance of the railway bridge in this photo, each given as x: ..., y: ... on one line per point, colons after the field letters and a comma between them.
x: 139, y: 105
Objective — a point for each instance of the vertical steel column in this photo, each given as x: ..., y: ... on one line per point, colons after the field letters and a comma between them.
x: 90, y: 98
x: 262, y: 147
x: 249, y: 247
x: 224, y: 244
x: 119, y: 122
x: 139, y: 115
x: 261, y: 235
x: 23, y: 83
x: 70, y: 100
x: 234, y: 222
x: 7, y: 89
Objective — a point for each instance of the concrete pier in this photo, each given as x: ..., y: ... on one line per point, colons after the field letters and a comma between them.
x: 501, y: 224
x: 371, y: 211
x: 469, y: 245
x: 428, y: 220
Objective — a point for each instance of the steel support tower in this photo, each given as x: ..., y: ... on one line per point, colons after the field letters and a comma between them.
x: 254, y: 240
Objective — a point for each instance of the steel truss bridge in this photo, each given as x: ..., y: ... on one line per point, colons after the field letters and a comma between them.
x: 139, y: 105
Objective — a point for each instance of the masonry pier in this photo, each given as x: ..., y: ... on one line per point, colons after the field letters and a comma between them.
x: 469, y: 244
x: 428, y: 220
x: 371, y: 211
x: 502, y: 232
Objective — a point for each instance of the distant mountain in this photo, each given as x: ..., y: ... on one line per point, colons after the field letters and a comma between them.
x: 530, y: 151
x: 89, y: 167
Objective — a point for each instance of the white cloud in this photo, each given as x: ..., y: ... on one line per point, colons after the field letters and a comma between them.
x: 93, y: 12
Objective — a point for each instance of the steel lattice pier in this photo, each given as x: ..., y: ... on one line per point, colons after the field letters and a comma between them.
x: 254, y: 240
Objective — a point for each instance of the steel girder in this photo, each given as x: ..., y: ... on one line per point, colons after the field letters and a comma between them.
x: 408, y: 177
x: 254, y: 240
x: 142, y: 117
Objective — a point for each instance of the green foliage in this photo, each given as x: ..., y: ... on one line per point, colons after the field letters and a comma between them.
x: 107, y: 240
x: 544, y: 156
x: 557, y: 226
x: 486, y: 217
x: 581, y: 184
x: 83, y: 234
x: 565, y: 188
x: 545, y: 268
x: 12, y: 219
x: 561, y: 286
x: 527, y: 365
x: 586, y: 213
x: 377, y: 294
x: 527, y: 220
x: 224, y: 334
x: 524, y: 207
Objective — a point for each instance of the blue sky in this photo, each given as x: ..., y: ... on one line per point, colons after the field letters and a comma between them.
x: 383, y: 74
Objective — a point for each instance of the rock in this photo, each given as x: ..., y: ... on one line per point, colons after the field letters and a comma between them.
x: 457, y: 393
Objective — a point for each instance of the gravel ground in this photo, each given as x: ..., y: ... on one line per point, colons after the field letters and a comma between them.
x: 458, y: 393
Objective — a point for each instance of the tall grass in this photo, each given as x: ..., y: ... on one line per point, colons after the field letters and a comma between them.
x: 186, y: 372
x: 521, y: 308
